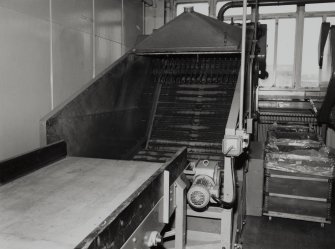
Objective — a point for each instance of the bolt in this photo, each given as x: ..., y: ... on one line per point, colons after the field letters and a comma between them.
x: 134, y: 239
x: 158, y: 239
x: 152, y: 238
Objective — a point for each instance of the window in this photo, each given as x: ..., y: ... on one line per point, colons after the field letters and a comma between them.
x: 331, y: 20
x: 202, y: 8
x: 310, y: 66
x: 281, y: 54
x: 270, y: 81
x: 320, y: 7
x: 277, y: 9
x: 285, y: 52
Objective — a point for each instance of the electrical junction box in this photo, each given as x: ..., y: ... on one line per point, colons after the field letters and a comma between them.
x: 232, y: 145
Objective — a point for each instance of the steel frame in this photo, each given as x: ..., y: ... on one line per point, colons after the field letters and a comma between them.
x: 144, y: 211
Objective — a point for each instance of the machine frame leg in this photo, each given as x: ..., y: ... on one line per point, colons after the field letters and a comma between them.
x: 228, y: 195
x: 226, y: 228
x: 180, y: 236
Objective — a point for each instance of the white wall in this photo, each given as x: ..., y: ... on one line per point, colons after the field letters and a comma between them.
x: 48, y: 53
x: 154, y: 16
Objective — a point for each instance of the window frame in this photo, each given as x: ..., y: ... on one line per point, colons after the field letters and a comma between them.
x: 300, y: 15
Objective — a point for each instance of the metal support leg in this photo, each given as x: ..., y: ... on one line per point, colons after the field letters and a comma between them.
x: 324, y: 132
x: 180, y: 237
x: 226, y: 228
x: 227, y: 214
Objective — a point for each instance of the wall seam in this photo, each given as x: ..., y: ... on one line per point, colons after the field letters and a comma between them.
x: 93, y: 41
x: 51, y: 56
x: 122, y: 28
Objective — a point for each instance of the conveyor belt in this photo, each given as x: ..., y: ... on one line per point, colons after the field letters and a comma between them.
x: 193, y: 105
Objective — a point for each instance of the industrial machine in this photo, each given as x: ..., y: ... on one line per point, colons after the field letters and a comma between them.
x: 206, y: 185
x: 175, y: 88
x: 183, y: 100
x: 76, y: 202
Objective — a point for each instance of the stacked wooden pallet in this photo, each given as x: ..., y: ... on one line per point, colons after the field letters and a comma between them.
x: 299, y: 173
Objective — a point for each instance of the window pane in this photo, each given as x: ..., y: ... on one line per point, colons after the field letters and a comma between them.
x: 231, y: 11
x: 331, y: 20
x: 320, y: 7
x: 286, y: 39
x: 269, y: 53
x: 310, y: 67
x: 202, y: 8
x: 277, y: 9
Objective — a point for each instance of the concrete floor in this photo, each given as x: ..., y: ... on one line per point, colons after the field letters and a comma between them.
x: 279, y: 233
x: 261, y: 233
x: 198, y: 240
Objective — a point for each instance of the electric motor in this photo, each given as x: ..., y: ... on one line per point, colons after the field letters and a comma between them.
x: 206, y: 183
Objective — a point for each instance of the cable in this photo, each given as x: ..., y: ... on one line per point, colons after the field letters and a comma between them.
x: 227, y: 205
x: 223, y: 204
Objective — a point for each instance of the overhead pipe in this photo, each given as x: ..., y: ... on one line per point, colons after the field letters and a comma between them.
x: 253, y: 3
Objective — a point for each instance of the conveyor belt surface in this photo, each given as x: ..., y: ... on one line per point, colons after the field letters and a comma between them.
x: 193, y: 105
x: 59, y: 205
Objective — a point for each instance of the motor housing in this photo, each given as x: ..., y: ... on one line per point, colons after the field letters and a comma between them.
x: 206, y: 183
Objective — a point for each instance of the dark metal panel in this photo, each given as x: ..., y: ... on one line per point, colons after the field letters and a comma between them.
x: 298, y: 187
x: 110, y: 116
x: 189, y: 32
x: 13, y: 168
x: 114, y: 231
x: 297, y: 207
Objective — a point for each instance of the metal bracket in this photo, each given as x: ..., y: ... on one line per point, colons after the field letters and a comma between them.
x: 232, y: 145
x: 166, y: 197
x: 250, y: 124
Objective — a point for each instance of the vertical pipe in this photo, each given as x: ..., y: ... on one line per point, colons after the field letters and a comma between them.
x: 228, y: 196
x: 275, y: 53
x: 244, y: 29
x: 299, y: 37
x: 143, y: 19
x: 250, y: 89
x: 122, y: 28
x: 93, y: 41
x: 324, y: 19
x: 51, y: 57
x: 212, y: 8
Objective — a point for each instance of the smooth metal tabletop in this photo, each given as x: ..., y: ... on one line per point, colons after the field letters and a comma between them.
x: 59, y: 205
